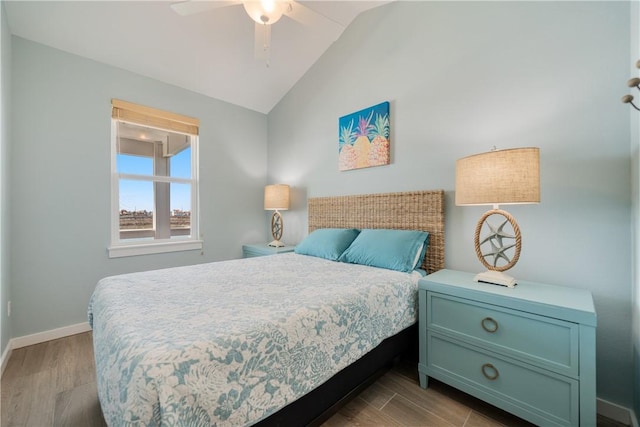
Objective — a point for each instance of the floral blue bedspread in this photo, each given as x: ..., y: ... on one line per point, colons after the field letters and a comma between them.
x: 229, y: 343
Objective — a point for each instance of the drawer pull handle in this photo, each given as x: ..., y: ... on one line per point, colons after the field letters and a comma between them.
x: 490, y: 367
x: 489, y: 324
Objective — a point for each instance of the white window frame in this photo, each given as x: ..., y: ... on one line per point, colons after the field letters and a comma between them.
x: 128, y: 247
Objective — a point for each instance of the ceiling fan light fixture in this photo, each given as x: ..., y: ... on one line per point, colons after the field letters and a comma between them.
x: 265, y: 11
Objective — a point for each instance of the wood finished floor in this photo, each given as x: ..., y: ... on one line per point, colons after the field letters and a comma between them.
x: 53, y: 384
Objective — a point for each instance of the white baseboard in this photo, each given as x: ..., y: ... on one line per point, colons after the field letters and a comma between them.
x: 6, y: 354
x: 52, y: 334
x: 38, y: 338
x: 616, y: 412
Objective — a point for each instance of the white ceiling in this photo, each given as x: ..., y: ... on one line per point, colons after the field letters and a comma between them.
x: 211, y: 52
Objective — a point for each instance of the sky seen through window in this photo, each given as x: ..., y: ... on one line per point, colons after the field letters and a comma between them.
x: 137, y: 195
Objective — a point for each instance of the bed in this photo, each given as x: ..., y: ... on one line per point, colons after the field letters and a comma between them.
x: 277, y: 340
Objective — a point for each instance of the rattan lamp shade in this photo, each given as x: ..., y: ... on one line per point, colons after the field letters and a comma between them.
x: 276, y: 197
x: 499, y: 177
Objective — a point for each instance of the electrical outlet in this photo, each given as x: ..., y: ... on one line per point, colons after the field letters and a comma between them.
x: 8, y: 308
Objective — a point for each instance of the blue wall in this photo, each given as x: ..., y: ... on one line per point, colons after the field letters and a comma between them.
x: 635, y: 183
x: 5, y: 135
x: 462, y: 77
x: 60, y: 192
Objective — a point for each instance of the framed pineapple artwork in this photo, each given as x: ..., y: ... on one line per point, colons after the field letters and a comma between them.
x: 364, y: 138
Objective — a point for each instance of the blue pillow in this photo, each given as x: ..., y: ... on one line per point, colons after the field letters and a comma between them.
x: 327, y: 243
x: 401, y: 250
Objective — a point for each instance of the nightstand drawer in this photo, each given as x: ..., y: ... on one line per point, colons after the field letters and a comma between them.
x: 535, y: 394
x: 543, y: 341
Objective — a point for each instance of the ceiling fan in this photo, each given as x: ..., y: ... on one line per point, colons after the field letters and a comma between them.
x: 266, y: 13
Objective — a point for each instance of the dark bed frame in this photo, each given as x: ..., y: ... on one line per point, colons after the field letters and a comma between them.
x: 319, y: 405
x: 419, y: 210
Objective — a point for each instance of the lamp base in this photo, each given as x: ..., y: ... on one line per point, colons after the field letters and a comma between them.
x: 495, y: 278
x: 277, y: 244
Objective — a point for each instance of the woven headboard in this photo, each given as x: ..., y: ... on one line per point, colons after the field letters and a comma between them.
x: 415, y: 210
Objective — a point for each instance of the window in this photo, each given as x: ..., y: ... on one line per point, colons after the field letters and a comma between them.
x: 154, y: 186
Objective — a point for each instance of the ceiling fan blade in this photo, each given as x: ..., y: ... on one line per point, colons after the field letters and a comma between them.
x: 298, y: 12
x: 191, y: 7
x: 262, y: 41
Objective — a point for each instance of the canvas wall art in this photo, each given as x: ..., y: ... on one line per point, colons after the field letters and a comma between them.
x: 364, y: 138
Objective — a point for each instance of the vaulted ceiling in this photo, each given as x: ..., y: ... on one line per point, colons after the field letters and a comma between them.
x: 211, y: 52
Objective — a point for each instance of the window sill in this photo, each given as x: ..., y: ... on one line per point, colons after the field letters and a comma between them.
x: 154, y: 248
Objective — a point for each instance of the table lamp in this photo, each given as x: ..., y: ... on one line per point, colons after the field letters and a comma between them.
x: 498, y: 177
x: 276, y: 198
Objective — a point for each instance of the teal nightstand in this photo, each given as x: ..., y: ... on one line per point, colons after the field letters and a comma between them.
x: 530, y: 350
x: 262, y: 249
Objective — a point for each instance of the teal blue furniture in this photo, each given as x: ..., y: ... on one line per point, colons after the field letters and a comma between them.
x: 530, y: 350
x: 262, y: 249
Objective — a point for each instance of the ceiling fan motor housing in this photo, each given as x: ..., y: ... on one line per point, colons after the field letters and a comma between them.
x: 264, y: 12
